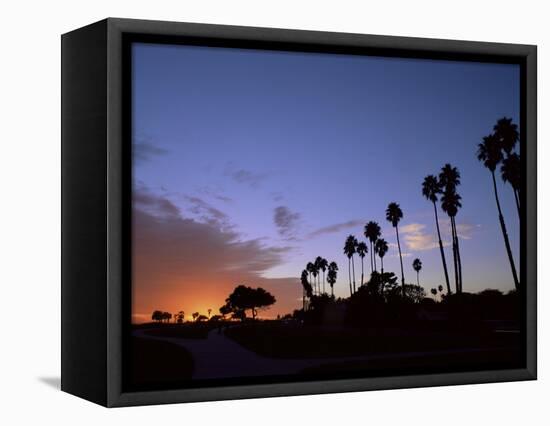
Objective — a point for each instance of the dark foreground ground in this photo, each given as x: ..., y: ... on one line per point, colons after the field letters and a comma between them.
x: 334, y: 351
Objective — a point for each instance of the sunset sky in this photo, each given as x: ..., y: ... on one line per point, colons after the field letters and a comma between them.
x: 248, y: 164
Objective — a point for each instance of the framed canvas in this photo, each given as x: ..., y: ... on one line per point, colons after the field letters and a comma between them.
x: 254, y: 212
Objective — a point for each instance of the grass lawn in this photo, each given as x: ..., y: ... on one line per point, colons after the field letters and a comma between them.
x: 425, y: 364
x: 295, y: 341
x: 186, y: 330
x: 155, y: 361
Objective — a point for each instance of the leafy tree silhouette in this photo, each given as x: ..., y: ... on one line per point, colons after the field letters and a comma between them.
x: 195, y: 315
x: 449, y: 179
x: 431, y: 188
x: 393, y: 215
x: 243, y: 298
x: 490, y: 154
x: 157, y: 316
x: 349, y: 250
x: 180, y: 317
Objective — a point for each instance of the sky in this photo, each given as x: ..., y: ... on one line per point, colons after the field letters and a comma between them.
x: 247, y: 164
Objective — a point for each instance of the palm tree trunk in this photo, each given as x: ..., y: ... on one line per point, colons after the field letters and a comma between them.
x: 349, y: 273
x: 400, y: 260
x: 374, y: 256
x: 353, y: 267
x: 442, y: 251
x: 382, y: 264
x: 418, y: 278
x: 505, y: 234
x: 371, y: 254
x: 324, y: 282
x: 516, y: 196
x: 459, y: 261
x: 455, y: 260
x: 362, y: 271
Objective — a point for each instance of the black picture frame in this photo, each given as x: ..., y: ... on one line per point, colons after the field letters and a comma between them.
x: 96, y: 213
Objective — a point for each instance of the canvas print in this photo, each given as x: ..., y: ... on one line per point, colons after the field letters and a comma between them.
x: 302, y: 216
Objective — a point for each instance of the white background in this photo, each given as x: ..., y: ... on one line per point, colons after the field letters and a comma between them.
x: 30, y: 200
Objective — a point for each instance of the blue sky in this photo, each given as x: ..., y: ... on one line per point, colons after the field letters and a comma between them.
x: 293, y: 151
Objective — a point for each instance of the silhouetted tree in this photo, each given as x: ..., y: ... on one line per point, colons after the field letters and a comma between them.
x: 449, y: 179
x: 180, y: 316
x: 209, y: 312
x: 511, y: 173
x: 393, y: 215
x: 489, y: 153
x: 372, y: 232
x: 157, y: 316
x: 224, y: 310
x: 417, y: 266
x: 431, y: 188
x: 362, y: 251
x: 243, y: 298
x: 507, y: 134
x: 195, y: 315
x: 349, y: 250
x: 332, y: 275
x: 310, y: 267
x: 323, y: 264
x: 381, y: 248
x: 307, y: 291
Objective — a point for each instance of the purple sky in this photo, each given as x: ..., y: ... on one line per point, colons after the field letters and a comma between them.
x: 291, y: 152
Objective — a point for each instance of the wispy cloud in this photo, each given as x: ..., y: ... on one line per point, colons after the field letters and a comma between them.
x: 245, y: 177
x: 337, y: 227
x: 205, y: 212
x: 417, y: 239
x: 144, y: 150
x: 286, y: 221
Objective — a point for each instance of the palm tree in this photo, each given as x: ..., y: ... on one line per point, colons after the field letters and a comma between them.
x: 209, y: 312
x: 449, y: 179
x: 511, y: 173
x: 381, y: 248
x: 372, y: 232
x: 332, y: 275
x: 349, y: 250
x: 362, y: 250
x: 306, y: 288
x: 318, y: 262
x: 490, y: 154
x: 431, y: 188
x: 417, y: 266
x: 507, y: 134
x: 310, y: 267
x: 394, y: 214
x: 323, y: 264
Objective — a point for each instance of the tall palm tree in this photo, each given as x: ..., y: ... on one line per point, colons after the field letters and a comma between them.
x: 332, y: 275
x: 381, y: 248
x: 306, y: 288
x: 349, y: 250
x: 372, y: 232
x: 393, y: 215
x: 323, y: 264
x: 511, y: 173
x: 417, y: 266
x: 310, y: 267
x: 362, y: 250
x: 449, y: 179
x: 507, y: 134
x: 318, y: 262
x: 431, y: 188
x: 490, y: 155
